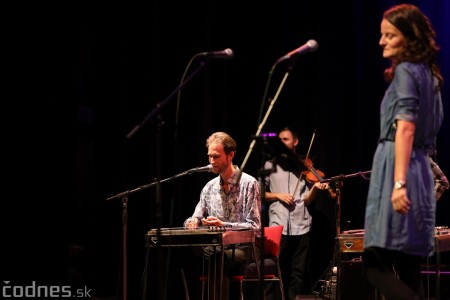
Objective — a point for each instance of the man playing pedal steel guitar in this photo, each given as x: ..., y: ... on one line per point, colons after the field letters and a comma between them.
x: 226, y: 204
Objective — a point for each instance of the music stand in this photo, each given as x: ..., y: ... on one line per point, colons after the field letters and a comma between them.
x: 274, y: 149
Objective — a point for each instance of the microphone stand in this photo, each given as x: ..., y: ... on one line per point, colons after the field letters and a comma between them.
x: 158, y: 214
x: 263, y: 122
x: 146, y: 186
x: 338, y: 180
x: 338, y: 184
x: 262, y: 173
x: 124, y: 196
x: 161, y: 105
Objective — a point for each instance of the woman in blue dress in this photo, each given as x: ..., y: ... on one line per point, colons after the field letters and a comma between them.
x: 400, y: 210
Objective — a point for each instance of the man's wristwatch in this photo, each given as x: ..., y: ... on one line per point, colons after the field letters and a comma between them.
x: 399, y: 184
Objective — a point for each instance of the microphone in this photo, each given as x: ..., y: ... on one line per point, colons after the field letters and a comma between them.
x: 310, y: 46
x: 227, y: 54
x: 207, y: 168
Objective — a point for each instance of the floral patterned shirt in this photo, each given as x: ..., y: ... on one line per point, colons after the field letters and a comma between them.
x: 239, y: 208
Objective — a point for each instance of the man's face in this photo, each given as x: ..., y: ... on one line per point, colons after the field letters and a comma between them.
x: 218, y: 158
x: 287, y: 139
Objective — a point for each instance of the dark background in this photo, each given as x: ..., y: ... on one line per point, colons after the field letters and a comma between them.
x: 81, y: 77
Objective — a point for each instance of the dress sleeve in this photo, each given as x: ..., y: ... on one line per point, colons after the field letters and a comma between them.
x: 407, y: 94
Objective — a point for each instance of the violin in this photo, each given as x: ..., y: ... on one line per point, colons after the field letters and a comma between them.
x: 313, y: 175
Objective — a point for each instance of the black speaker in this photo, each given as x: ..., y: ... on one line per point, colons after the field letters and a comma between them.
x: 352, y: 282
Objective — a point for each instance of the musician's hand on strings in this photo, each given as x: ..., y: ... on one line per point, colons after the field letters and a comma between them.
x: 322, y: 186
x: 192, y: 223
x: 212, y: 221
x: 285, y: 198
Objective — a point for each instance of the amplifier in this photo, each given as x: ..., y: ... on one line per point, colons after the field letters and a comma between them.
x: 352, y: 241
x: 352, y: 282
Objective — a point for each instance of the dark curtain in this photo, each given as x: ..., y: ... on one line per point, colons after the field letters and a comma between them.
x: 90, y: 74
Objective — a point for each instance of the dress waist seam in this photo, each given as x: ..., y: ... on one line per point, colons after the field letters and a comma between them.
x: 422, y: 147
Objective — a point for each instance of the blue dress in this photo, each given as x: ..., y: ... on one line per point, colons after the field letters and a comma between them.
x: 411, y: 96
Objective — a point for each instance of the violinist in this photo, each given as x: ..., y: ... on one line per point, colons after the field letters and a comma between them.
x: 290, y: 194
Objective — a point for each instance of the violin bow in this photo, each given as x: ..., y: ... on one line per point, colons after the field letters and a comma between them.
x: 306, y: 159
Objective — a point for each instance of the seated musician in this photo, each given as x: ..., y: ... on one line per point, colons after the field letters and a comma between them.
x: 226, y: 204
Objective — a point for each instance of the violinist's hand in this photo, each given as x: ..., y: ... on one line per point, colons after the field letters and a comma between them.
x: 286, y: 198
x: 400, y: 201
x: 322, y: 186
x: 212, y: 221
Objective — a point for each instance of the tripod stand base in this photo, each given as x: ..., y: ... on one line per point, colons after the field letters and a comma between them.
x: 329, y: 288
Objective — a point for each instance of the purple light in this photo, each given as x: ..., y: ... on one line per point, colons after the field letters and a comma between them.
x: 268, y: 134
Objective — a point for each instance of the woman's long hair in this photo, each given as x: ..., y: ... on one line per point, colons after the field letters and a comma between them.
x: 420, y: 39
